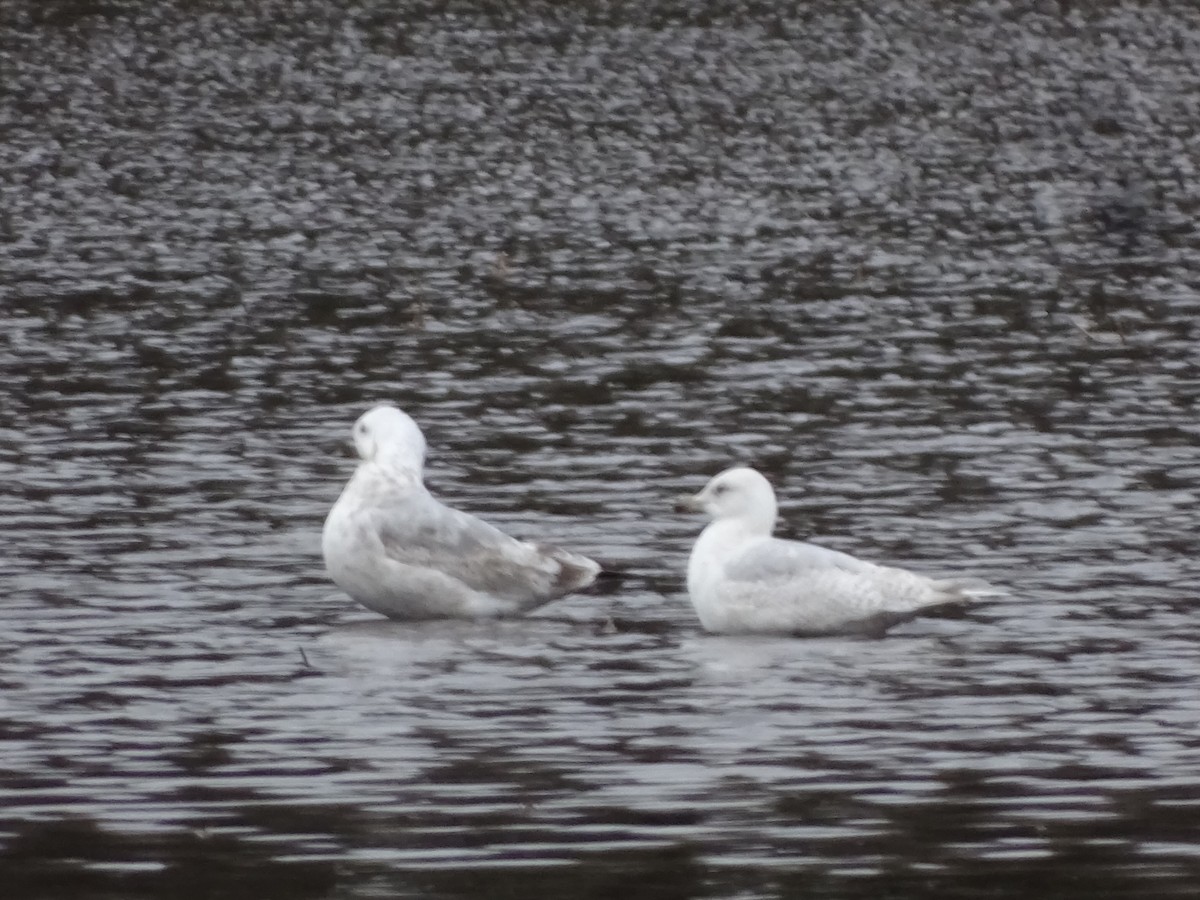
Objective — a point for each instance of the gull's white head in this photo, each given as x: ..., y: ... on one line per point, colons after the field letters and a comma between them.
x: 387, y: 435
x: 739, y: 493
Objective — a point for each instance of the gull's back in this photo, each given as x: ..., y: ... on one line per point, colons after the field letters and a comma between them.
x: 514, y: 576
x: 801, y: 588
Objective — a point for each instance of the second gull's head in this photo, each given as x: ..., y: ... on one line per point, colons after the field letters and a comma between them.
x: 738, y: 493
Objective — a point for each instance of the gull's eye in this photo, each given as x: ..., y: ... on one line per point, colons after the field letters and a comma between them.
x: 718, y: 490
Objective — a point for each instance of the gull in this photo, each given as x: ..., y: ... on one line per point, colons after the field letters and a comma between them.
x: 741, y: 580
x: 397, y: 550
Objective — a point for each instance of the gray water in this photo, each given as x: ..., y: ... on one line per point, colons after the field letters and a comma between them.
x: 931, y: 267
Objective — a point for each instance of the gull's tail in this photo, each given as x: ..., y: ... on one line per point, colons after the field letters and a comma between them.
x: 575, y: 571
x: 964, y: 590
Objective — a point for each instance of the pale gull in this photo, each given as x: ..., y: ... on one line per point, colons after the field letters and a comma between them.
x: 394, y: 548
x: 742, y: 580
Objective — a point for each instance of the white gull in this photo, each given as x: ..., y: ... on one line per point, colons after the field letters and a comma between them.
x: 394, y: 548
x: 741, y: 580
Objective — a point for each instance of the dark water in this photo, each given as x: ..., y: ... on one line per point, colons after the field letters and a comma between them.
x: 931, y: 266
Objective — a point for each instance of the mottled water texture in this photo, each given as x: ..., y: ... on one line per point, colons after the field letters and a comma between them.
x: 930, y: 266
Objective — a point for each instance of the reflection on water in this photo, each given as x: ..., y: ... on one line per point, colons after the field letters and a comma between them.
x: 933, y: 274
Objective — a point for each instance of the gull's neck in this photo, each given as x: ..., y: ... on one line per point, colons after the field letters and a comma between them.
x: 737, y: 529
x: 389, y: 474
x: 759, y: 522
x: 402, y: 458
x: 721, y: 540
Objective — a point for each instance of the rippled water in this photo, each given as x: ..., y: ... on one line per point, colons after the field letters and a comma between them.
x: 930, y: 267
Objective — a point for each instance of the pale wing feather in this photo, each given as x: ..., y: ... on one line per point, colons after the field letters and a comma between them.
x: 417, y: 530
x: 777, y: 559
x: 832, y: 600
x: 791, y: 586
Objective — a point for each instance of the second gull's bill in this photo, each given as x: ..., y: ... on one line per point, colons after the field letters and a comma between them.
x: 394, y: 548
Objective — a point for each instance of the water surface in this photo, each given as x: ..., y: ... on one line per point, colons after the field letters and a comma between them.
x: 930, y: 267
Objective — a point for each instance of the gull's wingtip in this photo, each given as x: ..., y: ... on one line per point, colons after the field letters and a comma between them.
x: 970, y: 590
x: 575, y: 571
x: 585, y: 571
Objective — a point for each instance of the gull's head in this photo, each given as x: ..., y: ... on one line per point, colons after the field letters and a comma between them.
x: 387, y: 435
x: 740, y: 493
